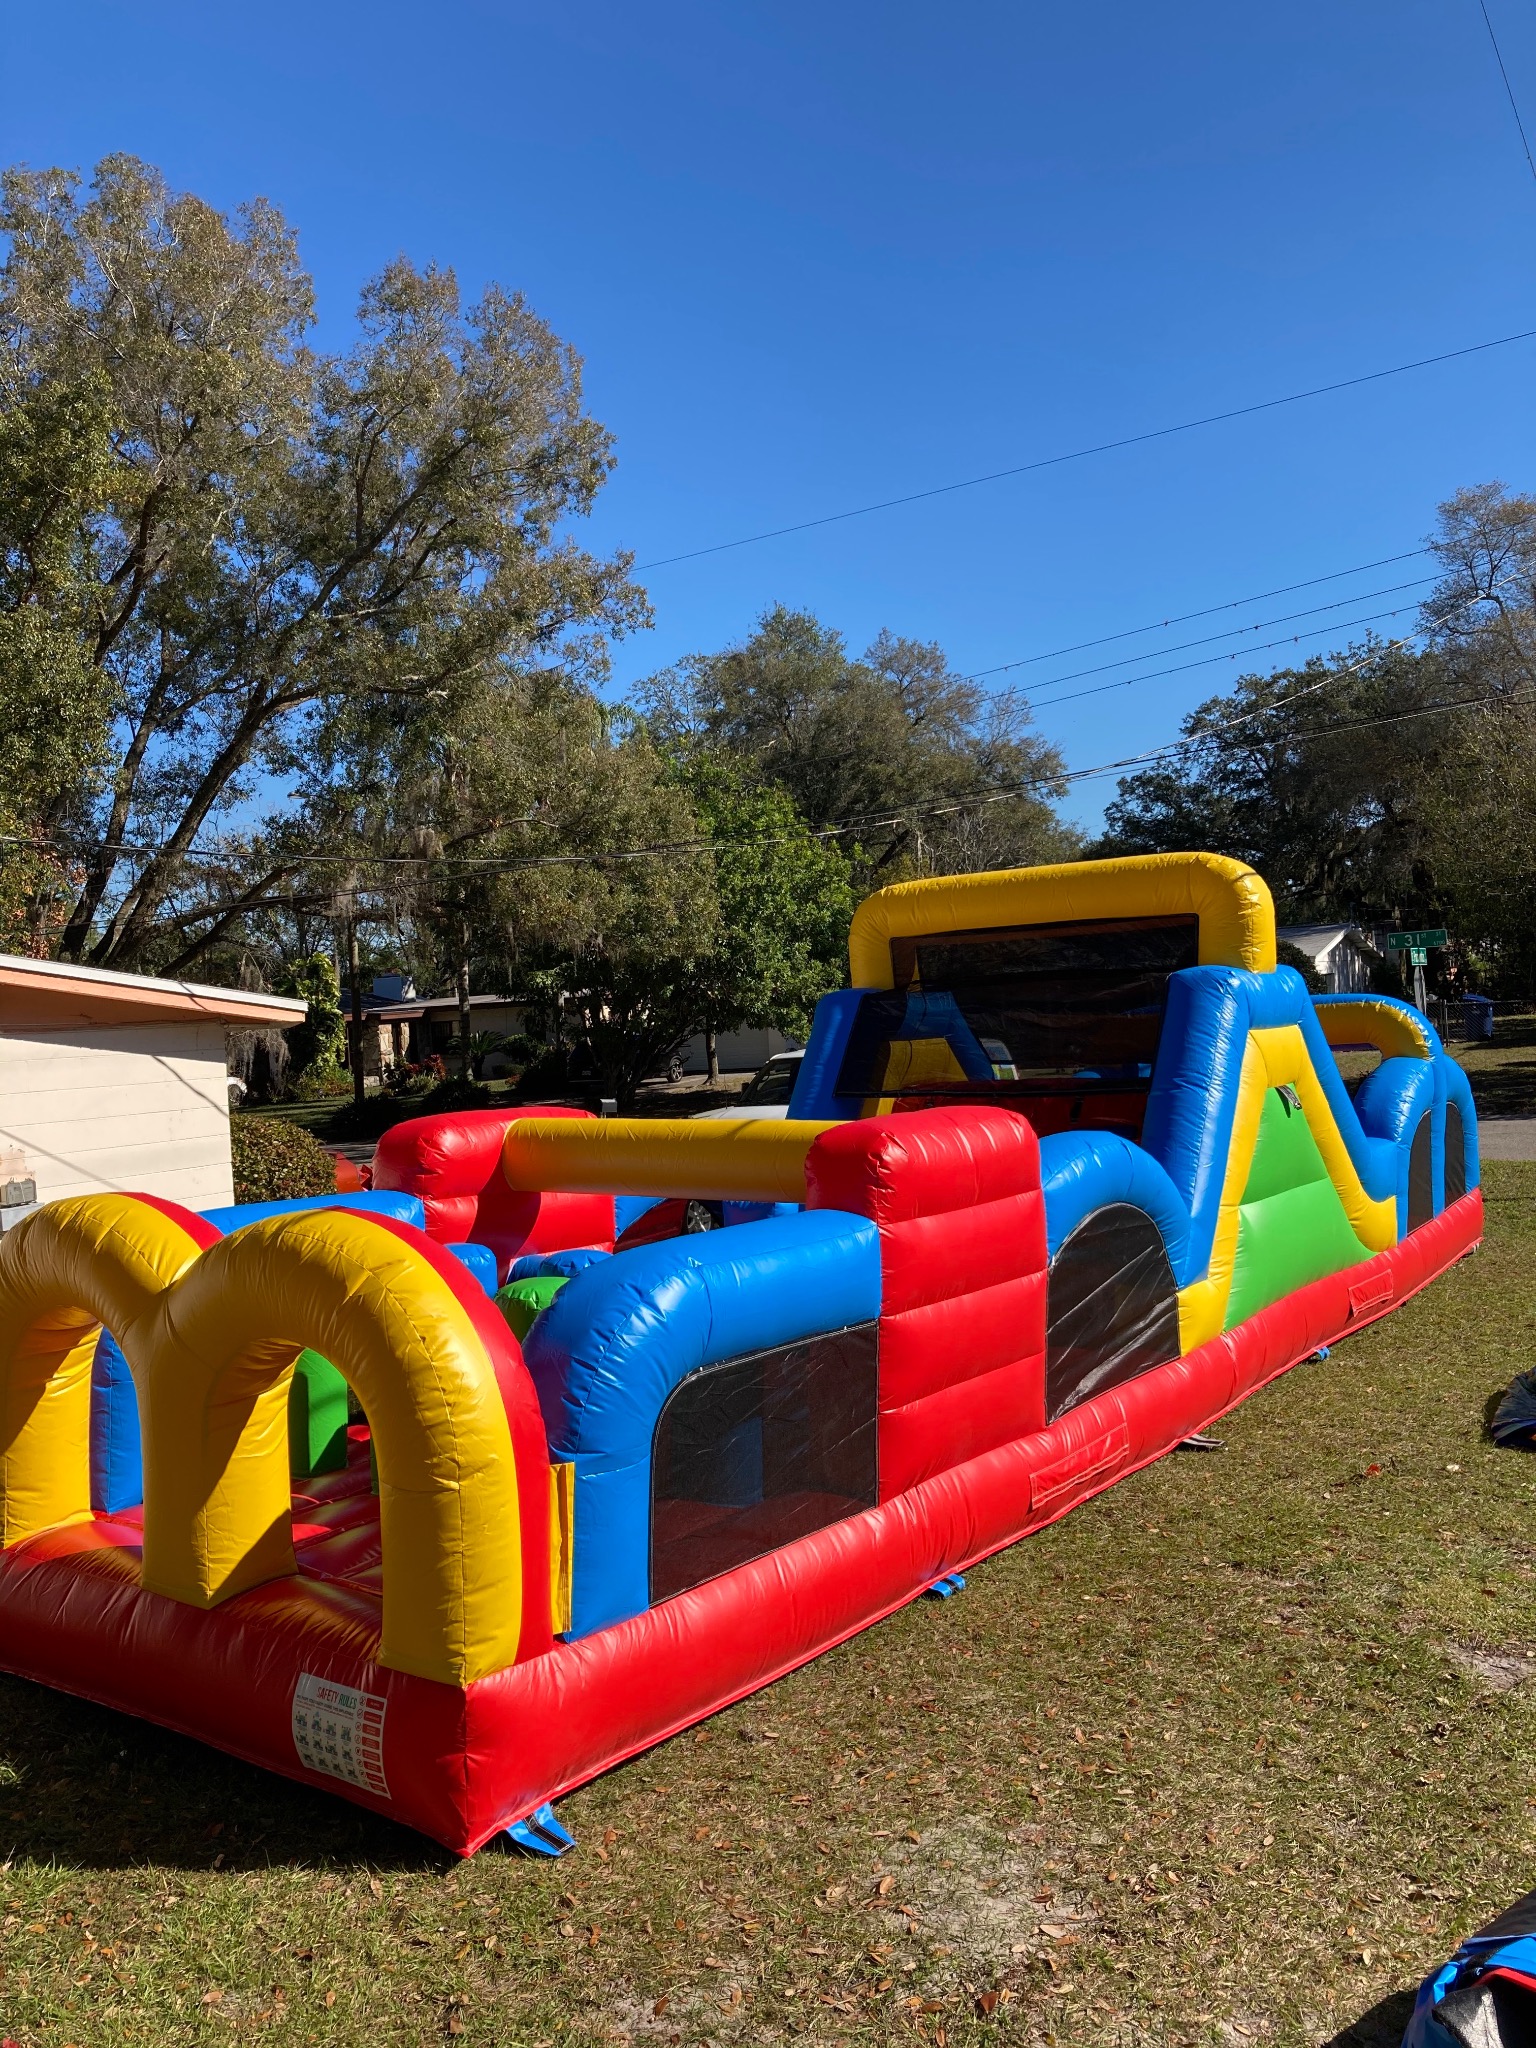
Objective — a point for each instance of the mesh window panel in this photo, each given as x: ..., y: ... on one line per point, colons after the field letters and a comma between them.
x: 1455, y: 1155
x: 1112, y: 1307
x: 1421, y: 1185
x: 750, y: 1454
x: 1031, y: 1013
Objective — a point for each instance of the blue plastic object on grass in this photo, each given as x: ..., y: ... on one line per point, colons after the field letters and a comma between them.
x: 541, y: 1834
x: 945, y: 1588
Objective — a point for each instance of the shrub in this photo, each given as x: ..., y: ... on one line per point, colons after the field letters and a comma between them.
x: 1288, y: 954
x: 321, y: 1083
x: 275, y: 1161
x: 454, y: 1093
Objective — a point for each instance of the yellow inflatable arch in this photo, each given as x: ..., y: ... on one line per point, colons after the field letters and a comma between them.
x: 211, y: 1339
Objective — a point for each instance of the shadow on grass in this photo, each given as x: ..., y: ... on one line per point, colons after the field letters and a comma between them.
x: 1381, y: 2027
x: 84, y: 1787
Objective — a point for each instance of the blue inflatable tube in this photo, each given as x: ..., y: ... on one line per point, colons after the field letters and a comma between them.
x: 1082, y: 1171
x: 399, y: 1208
x: 613, y: 1344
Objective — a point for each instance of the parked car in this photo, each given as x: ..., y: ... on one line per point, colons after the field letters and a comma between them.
x: 768, y: 1091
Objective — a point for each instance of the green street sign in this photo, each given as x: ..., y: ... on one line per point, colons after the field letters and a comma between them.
x: 1418, y: 956
x: 1408, y: 942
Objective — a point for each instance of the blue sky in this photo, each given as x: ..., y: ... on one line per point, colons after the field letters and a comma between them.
x: 819, y: 256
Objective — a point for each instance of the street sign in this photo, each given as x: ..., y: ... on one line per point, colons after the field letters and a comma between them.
x: 1408, y: 942
x: 1418, y: 956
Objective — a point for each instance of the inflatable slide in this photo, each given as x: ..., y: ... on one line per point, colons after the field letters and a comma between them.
x: 449, y: 1497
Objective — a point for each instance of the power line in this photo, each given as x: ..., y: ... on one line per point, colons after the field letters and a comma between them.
x: 1212, y: 660
x: 906, y: 814
x: 1213, y: 419
x: 1514, y: 107
x: 1232, y: 604
x: 1239, y: 634
x: 869, y: 821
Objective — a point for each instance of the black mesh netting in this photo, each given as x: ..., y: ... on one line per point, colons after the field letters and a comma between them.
x: 1112, y: 1307
x: 1023, y: 1008
x: 1455, y: 1155
x: 750, y: 1454
x: 1421, y: 1166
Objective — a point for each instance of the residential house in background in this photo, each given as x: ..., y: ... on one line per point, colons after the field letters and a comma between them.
x: 117, y: 1083
x: 1342, y: 954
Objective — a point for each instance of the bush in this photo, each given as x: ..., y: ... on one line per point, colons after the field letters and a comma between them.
x: 276, y: 1161
x: 321, y: 1083
x: 1288, y: 954
x: 549, y: 1074
x: 454, y: 1093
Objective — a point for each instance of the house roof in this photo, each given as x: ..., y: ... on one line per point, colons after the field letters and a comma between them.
x: 1317, y: 941
x: 52, y: 995
x: 426, y: 1006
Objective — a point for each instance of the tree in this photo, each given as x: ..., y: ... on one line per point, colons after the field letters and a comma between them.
x: 260, y: 538
x: 785, y: 900
x: 319, y: 1042
x: 928, y: 773
x: 1481, y: 617
x: 1315, y: 776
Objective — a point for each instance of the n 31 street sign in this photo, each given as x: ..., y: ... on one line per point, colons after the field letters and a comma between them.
x: 1408, y: 942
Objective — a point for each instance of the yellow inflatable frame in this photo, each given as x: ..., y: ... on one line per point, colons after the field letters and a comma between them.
x: 211, y: 1338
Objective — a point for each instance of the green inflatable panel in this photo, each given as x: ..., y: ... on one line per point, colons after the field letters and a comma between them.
x: 317, y: 1417
x: 1291, y: 1225
x: 521, y: 1300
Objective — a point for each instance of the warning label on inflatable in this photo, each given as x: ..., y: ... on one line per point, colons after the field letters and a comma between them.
x: 340, y: 1731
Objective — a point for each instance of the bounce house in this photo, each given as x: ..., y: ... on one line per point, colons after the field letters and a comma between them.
x: 451, y: 1496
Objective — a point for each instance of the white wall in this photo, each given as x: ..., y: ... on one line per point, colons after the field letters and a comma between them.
x: 741, y: 1052
x: 128, y: 1107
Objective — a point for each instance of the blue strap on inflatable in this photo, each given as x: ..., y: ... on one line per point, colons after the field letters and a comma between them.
x: 945, y: 1588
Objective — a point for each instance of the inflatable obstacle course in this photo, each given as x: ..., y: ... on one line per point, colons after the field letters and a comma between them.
x: 1067, y: 1172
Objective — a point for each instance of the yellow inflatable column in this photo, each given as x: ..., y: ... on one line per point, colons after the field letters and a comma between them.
x: 217, y: 1501
x: 65, y: 1270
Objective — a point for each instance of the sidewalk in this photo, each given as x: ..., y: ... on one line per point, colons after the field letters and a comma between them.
x: 1506, y: 1137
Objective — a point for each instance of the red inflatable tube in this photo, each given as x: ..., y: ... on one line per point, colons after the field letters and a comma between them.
x: 453, y: 1164
x: 956, y: 1195
x: 460, y: 1765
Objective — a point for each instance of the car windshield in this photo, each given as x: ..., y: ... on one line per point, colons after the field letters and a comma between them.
x: 770, y: 1085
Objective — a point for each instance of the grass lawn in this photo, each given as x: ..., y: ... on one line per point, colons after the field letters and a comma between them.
x: 1502, y: 1070
x: 1234, y: 1753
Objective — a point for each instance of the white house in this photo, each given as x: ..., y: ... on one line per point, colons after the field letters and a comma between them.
x: 117, y: 1082
x: 1341, y: 953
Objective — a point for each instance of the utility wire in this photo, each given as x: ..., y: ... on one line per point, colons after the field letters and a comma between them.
x: 1514, y: 107
x: 907, y: 814
x: 1233, y: 633
x: 969, y: 483
x: 1212, y: 660
x: 1207, y: 612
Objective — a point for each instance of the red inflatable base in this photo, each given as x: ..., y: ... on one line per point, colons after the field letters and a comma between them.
x: 284, y: 1676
